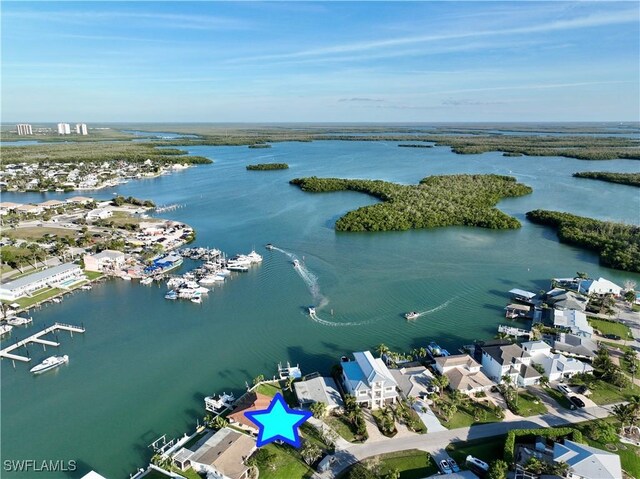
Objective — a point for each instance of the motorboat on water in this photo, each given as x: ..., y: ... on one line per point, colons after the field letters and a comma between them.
x: 5, y: 329
x: 126, y: 277
x: 312, y: 311
x: 210, y: 279
x: 171, y: 295
x: 237, y: 267
x: 296, y: 263
x: 147, y: 280
x: 254, y: 257
x: 269, y: 246
x: 50, y: 363
x: 412, y: 315
x: 196, y: 299
x: 86, y: 287
x: 18, y: 321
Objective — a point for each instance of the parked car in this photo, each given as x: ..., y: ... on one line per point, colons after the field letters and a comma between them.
x: 453, y: 465
x: 444, y: 467
x: 583, y: 390
x: 612, y: 336
x: 577, y: 401
x: 564, y: 389
x: 474, y: 462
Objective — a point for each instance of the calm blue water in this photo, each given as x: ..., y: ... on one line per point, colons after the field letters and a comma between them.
x: 145, y: 364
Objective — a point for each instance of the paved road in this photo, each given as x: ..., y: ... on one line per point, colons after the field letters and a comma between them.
x: 436, y: 442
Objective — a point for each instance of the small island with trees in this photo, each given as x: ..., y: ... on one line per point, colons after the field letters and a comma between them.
x: 632, y: 179
x: 448, y: 200
x: 618, y: 244
x: 414, y: 145
x: 267, y: 166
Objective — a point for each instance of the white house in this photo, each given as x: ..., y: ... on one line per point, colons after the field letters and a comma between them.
x: 586, y: 462
x: 576, y: 321
x: 556, y: 366
x: 58, y: 276
x: 105, y: 260
x: 29, y: 209
x: 369, y: 380
x: 509, y: 360
x: 599, y: 286
x: 51, y: 204
x: 463, y: 373
x: 99, y: 214
x: 219, y: 455
x: 573, y: 345
x: 7, y: 207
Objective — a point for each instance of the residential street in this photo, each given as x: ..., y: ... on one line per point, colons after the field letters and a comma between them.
x: 436, y: 442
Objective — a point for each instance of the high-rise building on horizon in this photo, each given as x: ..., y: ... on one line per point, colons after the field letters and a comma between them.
x: 64, y: 129
x: 81, y: 129
x: 24, y: 129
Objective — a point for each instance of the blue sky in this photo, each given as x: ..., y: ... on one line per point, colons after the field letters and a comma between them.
x: 320, y: 61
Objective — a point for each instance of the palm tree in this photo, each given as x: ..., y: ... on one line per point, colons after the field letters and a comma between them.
x: 622, y: 413
x: 319, y: 409
x: 219, y: 422
x: 382, y: 349
x: 310, y: 452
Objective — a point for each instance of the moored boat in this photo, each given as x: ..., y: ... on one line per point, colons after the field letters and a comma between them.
x: 5, y: 329
x: 50, y: 363
x: 18, y: 321
x: 147, y: 280
x: 171, y: 295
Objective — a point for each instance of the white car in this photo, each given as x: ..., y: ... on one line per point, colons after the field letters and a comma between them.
x: 474, y: 461
x: 564, y: 389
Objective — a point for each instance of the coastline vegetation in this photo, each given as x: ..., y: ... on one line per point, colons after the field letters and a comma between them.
x: 414, y: 145
x: 267, y: 166
x: 632, y: 179
x: 260, y: 145
x: 618, y: 244
x: 449, y: 200
x: 88, y: 152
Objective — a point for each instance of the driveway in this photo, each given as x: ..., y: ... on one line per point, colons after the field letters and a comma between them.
x: 428, y: 417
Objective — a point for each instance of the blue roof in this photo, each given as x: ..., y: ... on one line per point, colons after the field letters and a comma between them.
x: 353, y: 373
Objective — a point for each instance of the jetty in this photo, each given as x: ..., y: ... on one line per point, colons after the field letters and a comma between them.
x: 37, y: 338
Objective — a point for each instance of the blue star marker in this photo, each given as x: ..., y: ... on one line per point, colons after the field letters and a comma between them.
x: 278, y: 422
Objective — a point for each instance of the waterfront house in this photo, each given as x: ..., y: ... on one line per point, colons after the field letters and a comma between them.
x: 575, y: 321
x: 509, y: 360
x: 107, y: 260
x: 60, y: 276
x: 251, y: 401
x: 573, y: 345
x: 318, y: 389
x: 586, y: 462
x: 369, y: 380
x: 463, y: 373
x: 29, y: 209
x: 79, y: 200
x: 8, y: 207
x: 99, y: 214
x: 413, y: 381
x: 599, y: 287
x: 563, y: 299
x: 219, y: 455
x: 51, y: 204
x: 517, y: 311
x: 556, y: 366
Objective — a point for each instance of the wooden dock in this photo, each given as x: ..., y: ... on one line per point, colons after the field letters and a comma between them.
x: 37, y: 338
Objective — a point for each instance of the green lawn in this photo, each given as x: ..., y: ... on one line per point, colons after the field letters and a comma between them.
x: 310, y: 433
x: 271, y: 389
x: 35, y: 233
x: 342, y: 427
x: 412, y: 464
x: 286, y: 464
x: 464, y: 416
x: 485, y: 449
x: 92, y: 274
x: 559, y: 397
x: 527, y: 404
x: 604, y: 393
x: 44, y: 294
x: 610, y: 327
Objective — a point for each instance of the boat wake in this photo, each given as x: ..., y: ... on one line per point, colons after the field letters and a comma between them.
x: 437, y: 308
x: 310, y: 279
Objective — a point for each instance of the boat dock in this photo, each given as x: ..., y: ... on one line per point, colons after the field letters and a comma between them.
x: 37, y: 338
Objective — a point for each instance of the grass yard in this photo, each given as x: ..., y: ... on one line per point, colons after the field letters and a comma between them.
x: 310, y: 433
x: 411, y: 464
x: 604, y: 393
x: 610, y: 327
x: 42, y: 295
x: 559, y: 397
x: 35, y: 233
x: 342, y: 427
x: 92, y: 274
x: 487, y: 449
x: 285, y: 465
x: 270, y: 389
x: 527, y: 404
x: 464, y: 416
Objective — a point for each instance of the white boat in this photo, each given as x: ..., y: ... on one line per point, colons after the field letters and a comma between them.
x: 223, y: 272
x: 86, y: 287
x: 238, y: 267
x: 196, y: 299
x: 49, y: 363
x: 56, y: 300
x: 5, y: 328
x: 202, y: 290
x: 296, y: 263
x: 171, y: 295
x: 174, y: 282
x: 147, y: 280
x: 312, y: 311
x: 210, y: 279
x: 412, y: 315
x: 254, y: 257
x: 18, y: 321
x: 126, y: 277
x: 269, y: 246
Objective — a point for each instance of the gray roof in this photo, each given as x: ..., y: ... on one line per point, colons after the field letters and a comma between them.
x: 412, y: 381
x: 505, y: 354
x: 318, y: 389
x: 522, y: 293
x: 578, y: 345
x: 40, y: 275
x: 109, y: 254
x: 587, y: 461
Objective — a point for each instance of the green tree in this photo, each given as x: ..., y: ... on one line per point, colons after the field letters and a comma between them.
x: 258, y: 379
x: 319, y: 409
x: 623, y: 413
x: 630, y: 296
x: 359, y: 471
x: 310, y: 452
x: 498, y: 469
